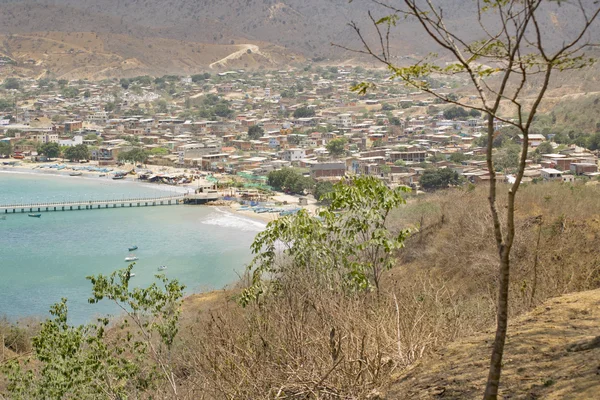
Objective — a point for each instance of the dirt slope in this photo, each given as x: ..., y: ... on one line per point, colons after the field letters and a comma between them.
x: 74, y: 55
x: 551, y: 354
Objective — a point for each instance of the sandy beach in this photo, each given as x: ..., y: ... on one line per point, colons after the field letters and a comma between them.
x: 281, y: 200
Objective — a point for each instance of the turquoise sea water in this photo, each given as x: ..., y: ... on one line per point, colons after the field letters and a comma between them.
x: 45, y: 259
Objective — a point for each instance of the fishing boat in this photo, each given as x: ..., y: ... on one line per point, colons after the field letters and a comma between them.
x: 132, y: 248
x: 76, y: 173
x: 162, y: 267
x: 131, y: 257
x: 35, y: 215
x: 118, y: 177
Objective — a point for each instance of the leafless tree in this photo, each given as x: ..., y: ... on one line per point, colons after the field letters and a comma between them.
x: 514, y: 49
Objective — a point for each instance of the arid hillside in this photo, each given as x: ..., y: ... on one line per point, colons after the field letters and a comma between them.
x: 553, y: 353
x: 285, y: 28
x: 74, y: 55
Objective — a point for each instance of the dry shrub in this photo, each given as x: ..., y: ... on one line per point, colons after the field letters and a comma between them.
x: 308, y: 343
x: 305, y: 343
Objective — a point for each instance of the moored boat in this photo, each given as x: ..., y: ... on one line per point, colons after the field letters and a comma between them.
x: 118, y: 177
x: 35, y: 215
x: 162, y: 267
x: 77, y: 173
x: 132, y: 248
x: 131, y: 257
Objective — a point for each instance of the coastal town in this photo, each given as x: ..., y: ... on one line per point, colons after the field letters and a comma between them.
x: 296, y: 130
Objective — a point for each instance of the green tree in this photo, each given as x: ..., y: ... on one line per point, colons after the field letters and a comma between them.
x: 159, y: 151
x: 255, y: 132
x: 456, y: 113
x: 349, y: 250
x: 544, y: 148
x: 322, y: 189
x: 515, y: 56
x: 5, y: 148
x: 439, y: 178
x: 12, y: 83
x: 69, y: 92
x: 77, y: 153
x: 222, y: 110
x: 134, y: 156
x: 80, y: 362
x: 304, y: 112
x: 289, y: 179
x: 457, y: 157
x: 507, y: 158
x: 336, y: 147
x: 50, y: 150
x: 593, y: 142
x: 6, y: 105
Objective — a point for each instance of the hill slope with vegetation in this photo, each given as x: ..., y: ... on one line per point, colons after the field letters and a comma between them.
x: 324, y: 330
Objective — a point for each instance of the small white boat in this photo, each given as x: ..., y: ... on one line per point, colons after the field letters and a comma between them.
x: 131, y: 274
x: 162, y: 267
x: 76, y: 174
x: 131, y: 257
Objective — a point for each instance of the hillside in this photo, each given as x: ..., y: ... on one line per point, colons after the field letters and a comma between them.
x: 552, y: 352
x: 423, y: 335
x: 285, y: 27
x: 95, y: 56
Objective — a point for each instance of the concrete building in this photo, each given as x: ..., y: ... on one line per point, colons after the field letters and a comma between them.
x: 294, y: 154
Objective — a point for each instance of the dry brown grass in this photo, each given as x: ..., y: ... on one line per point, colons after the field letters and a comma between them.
x: 308, y: 343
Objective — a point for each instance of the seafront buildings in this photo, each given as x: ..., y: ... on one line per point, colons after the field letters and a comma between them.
x: 251, y: 123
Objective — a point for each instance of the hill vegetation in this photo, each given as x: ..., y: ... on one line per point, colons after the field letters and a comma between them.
x: 314, y: 342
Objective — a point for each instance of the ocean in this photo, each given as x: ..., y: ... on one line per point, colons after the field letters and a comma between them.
x: 45, y: 259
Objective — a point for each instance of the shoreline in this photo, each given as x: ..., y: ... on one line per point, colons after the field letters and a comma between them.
x: 89, y: 175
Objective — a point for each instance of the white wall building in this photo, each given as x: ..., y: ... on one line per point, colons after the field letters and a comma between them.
x: 77, y: 139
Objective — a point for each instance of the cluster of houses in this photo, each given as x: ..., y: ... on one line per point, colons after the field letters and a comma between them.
x: 391, y: 134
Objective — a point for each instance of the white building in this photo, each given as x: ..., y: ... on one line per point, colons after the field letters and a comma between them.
x: 77, y: 139
x: 551, y: 174
x: 292, y: 155
x: 46, y: 137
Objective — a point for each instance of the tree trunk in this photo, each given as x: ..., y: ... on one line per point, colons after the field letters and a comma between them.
x: 491, y: 390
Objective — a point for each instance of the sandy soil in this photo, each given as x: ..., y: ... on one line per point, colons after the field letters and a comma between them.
x: 552, y: 352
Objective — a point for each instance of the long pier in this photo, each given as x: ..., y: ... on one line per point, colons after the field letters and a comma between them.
x: 91, y: 204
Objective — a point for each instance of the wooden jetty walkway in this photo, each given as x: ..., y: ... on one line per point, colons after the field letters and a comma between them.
x: 92, y: 204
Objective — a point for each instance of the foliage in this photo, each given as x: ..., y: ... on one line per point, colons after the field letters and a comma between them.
x: 76, y: 153
x: 387, y: 107
x: 289, y: 179
x: 159, y: 151
x: 135, y: 155
x: 349, y: 246
x: 255, y: 132
x: 457, y: 157
x: 322, y: 189
x: 12, y: 83
x: 82, y: 362
x: 304, y: 112
x: 336, y: 147
x: 456, y: 113
x: 50, y: 150
x: 200, y: 77
x: 5, y: 105
x: 5, y: 148
x: 507, y: 157
x: 69, y: 92
x: 544, y: 148
x: 439, y: 178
